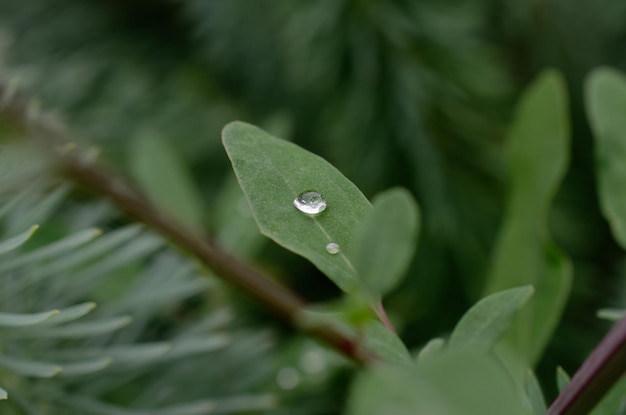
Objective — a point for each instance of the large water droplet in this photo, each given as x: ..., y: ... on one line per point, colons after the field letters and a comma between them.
x: 332, y: 248
x: 311, y: 203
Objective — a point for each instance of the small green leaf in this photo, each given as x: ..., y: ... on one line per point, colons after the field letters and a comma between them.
x: 86, y: 329
x: 64, y: 245
x: 535, y: 395
x: 562, y: 378
x: 385, y: 344
x: 482, y: 326
x: 386, y: 241
x: 164, y: 176
x: 69, y: 314
x: 538, y: 153
x: 20, y: 320
x: 272, y: 173
x: 3, y: 394
x: 605, y: 95
x: 611, y: 314
x: 29, y: 367
x: 86, y: 367
x: 134, y: 353
x: 16, y: 241
x: 431, y: 350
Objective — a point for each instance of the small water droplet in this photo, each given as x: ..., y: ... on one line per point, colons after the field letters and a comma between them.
x: 311, y: 203
x: 332, y: 248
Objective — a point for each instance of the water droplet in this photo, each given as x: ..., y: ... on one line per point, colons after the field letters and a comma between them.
x: 288, y: 378
x: 311, y: 203
x: 332, y: 248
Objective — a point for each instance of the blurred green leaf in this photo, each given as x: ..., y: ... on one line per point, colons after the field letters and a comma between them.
x: 535, y: 395
x: 164, y: 177
x: 431, y: 350
x: 562, y: 378
x: 69, y: 314
x: 482, y: 325
x: 444, y: 386
x: 236, y: 404
x: 385, y: 344
x: 605, y: 94
x: 57, y: 248
x: 86, y: 367
x: 16, y: 241
x: 29, y: 367
x: 386, y: 241
x: 538, y: 152
x: 3, y: 394
x: 611, y: 314
x: 86, y: 329
x: 272, y: 173
x: 20, y: 320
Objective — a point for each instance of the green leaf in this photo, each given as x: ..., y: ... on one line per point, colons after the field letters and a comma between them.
x: 385, y: 344
x: 20, y: 320
x: 535, y: 395
x: 86, y: 367
x: 57, y: 248
x: 16, y: 241
x: 451, y: 385
x: 482, y: 325
x: 562, y: 378
x: 3, y: 394
x: 29, y: 367
x: 272, y: 173
x: 69, y: 314
x: 163, y: 175
x: 538, y: 148
x: 86, y: 329
x: 605, y: 94
x: 236, y: 405
x: 431, y: 350
x: 386, y: 241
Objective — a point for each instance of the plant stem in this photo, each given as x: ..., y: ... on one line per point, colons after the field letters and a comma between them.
x: 75, y: 166
x: 600, y: 371
x: 380, y: 312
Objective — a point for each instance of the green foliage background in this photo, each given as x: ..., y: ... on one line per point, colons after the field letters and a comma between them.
x: 417, y: 94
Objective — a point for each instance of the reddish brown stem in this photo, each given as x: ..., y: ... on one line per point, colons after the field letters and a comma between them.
x: 602, y: 369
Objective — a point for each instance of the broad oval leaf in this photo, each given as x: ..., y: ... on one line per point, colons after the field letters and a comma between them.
x: 538, y: 153
x: 386, y: 241
x: 17, y: 241
x: 165, y: 178
x: 272, y: 173
x: 482, y: 325
x: 606, y: 106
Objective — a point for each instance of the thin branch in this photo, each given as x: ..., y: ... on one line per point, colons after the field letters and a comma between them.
x: 600, y: 371
x: 78, y: 167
